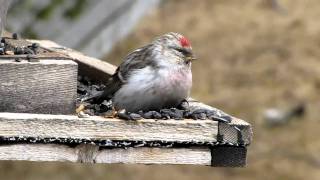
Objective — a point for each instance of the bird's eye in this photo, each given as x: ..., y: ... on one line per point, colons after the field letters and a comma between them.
x: 183, y: 51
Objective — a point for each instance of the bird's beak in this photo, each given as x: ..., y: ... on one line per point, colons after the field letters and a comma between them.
x: 191, y: 58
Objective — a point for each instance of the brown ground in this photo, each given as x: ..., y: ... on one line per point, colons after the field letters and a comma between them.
x: 250, y: 57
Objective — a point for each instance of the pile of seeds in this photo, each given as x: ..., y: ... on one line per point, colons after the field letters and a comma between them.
x: 87, y: 89
x: 112, y: 143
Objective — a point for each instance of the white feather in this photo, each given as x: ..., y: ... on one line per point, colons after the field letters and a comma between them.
x: 148, y: 88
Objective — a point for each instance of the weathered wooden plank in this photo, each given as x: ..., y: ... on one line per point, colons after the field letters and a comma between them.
x: 94, y: 68
x: 99, y: 128
x: 37, y: 152
x: 91, y: 154
x: 46, y: 86
x: 193, y: 155
x: 236, y: 132
x: 42, y: 54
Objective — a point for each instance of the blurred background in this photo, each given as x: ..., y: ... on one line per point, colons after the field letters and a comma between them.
x: 258, y: 60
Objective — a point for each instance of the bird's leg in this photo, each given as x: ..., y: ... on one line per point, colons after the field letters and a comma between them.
x: 111, y: 113
x: 80, y: 108
x: 80, y: 111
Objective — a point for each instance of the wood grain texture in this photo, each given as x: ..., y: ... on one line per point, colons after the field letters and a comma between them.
x: 193, y: 155
x: 99, y: 128
x: 39, y: 152
x: 41, y: 52
x: 47, y: 86
x: 143, y: 155
x: 96, y: 69
x: 236, y: 132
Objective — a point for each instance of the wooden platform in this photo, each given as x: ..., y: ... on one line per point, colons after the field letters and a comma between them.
x: 40, y: 137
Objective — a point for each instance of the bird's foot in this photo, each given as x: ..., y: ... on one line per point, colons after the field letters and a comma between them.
x: 110, y: 113
x: 80, y: 108
x: 80, y: 111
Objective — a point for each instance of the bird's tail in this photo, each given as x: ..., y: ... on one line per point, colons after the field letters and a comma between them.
x: 93, y: 97
x: 98, y: 97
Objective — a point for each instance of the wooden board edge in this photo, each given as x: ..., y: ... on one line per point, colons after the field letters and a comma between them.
x: 228, y: 156
x: 233, y: 134
x: 86, y: 153
x: 87, y: 65
x: 96, y: 128
x: 237, y: 132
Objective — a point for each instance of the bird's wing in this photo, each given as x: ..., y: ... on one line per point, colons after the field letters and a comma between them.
x: 137, y: 59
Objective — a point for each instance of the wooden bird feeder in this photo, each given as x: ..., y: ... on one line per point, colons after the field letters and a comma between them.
x: 38, y: 121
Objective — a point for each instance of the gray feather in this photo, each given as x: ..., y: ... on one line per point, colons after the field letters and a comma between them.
x: 133, y: 61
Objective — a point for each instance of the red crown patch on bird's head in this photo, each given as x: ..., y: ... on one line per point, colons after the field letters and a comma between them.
x: 184, y: 42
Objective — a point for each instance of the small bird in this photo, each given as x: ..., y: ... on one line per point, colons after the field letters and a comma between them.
x: 153, y: 77
x: 276, y: 117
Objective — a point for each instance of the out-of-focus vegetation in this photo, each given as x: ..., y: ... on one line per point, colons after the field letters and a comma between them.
x: 71, y: 10
x: 251, y: 56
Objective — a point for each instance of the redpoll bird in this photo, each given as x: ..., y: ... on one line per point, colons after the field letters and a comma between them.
x: 153, y: 77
